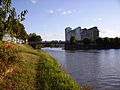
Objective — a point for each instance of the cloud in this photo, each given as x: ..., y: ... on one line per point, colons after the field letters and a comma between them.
x: 101, y: 31
x: 97, y: 19
x: 50, y: 11
x: 60, y: 9
x: 109, y: 33
x: 63, y: 12
x: 69, y: 12
x: 66, y: 12
x: 34, y: 1
x: 52, y: 36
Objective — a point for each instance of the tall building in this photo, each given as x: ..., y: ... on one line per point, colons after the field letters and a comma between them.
x: 80, y: 34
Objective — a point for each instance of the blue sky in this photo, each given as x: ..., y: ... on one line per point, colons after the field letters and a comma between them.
x: 49, y: 18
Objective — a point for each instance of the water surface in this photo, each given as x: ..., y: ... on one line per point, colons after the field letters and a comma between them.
x: 99, y: 69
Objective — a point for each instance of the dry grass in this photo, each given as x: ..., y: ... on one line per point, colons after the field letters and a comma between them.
x: 36, y: 71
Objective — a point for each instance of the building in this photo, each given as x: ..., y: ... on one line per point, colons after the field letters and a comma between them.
x: 80, y: 34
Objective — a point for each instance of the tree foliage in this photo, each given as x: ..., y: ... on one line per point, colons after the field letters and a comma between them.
x: 33, y: 37
x: 99, y: 41
x: 73, y: 40
x: 116, y: 41
x: 106, y: 41
x: 86, y: 41
x: 9, y: 18
x: 19, y: 31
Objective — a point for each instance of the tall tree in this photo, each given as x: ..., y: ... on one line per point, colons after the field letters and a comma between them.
x: 8, y: 17
x: 19, y: 31
x: 33, y: 37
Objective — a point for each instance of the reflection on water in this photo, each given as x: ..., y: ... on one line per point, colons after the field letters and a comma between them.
x: 97, y: 68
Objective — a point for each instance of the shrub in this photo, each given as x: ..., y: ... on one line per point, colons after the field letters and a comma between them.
x: 39, y: 46
x: 73, y: 40
x: 8, y: 56
x: 86, y: 41
x: 99, y: 41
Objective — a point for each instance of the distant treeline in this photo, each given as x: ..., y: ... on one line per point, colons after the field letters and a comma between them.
x: 99, y: 43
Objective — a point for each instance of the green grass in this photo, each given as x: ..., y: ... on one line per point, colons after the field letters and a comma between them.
x: 53, y: 77
x: 23, y: 74
x: 36, y: 71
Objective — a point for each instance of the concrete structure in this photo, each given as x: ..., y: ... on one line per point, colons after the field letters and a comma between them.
x: 80, y: 34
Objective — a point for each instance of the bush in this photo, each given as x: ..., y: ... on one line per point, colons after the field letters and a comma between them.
x: 73, y: 40
x: 39, y: 46
x: 8, y: 56
x: 86, y: 41
x: 99, y: 41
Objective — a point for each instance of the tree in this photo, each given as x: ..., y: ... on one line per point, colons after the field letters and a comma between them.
x: 73, y: 40
x: 8, y: 17
x: 86, y: 41
x: 116, y: 41
x: 33, y: 37
x: 106, y: 41
x: 19, y: 31
x: 99, y: 41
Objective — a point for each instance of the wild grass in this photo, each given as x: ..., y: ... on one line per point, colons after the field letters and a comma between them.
x: 51, y: 76
x: 35, y: 71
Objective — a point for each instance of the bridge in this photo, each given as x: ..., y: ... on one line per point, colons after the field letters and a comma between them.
x: 49, y: 43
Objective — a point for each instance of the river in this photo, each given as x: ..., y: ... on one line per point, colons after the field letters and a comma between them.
x: 99, y: 69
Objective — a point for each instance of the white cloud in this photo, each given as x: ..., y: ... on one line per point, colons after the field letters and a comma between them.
x: 60, y: 9
x: 34, y: 1
x: 109, y: 33
x: 97, y: 19
x: 63, y: 12
x: 101, y: 31
x: 50, y: 11
x: 52, y: 36
x: 69, y: 12
x: 66, y: 12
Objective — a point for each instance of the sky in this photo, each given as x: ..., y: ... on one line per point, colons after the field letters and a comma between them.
x: 49, y: 18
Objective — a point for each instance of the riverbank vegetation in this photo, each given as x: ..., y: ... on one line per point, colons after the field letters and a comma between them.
x: 99, y: 43
x: 30, y: 69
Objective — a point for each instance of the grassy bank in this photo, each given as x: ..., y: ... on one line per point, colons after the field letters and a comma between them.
x: 35, y: 70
